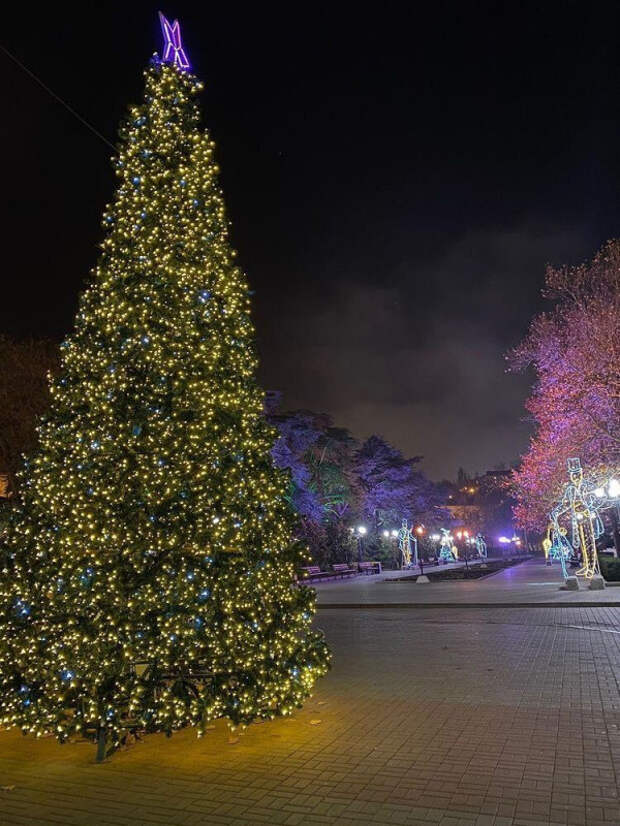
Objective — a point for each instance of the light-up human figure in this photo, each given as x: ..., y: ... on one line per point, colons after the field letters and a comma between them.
x: 579, y: 504
x: 547, y: 544
x: 557, y: 546
x: 405, y: 535
x: 447, y: 551
x: 481, y: 546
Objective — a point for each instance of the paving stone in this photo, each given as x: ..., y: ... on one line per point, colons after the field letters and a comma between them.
x: 487, y: 716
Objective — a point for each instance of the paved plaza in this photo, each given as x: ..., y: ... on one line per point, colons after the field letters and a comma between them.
x: 458, y: 716
x: 528, y: 583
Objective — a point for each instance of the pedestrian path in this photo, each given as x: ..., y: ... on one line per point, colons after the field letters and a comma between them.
x: 486, y: 717
x: 529, y: 583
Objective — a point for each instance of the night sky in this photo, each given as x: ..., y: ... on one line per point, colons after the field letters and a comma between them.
x: 396, y: 179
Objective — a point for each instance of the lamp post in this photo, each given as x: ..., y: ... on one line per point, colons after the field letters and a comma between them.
x: 360, y: 532
x: 420, y: 560
x: 418, y: 533
x: 395, y: 549
x: 436, y: 538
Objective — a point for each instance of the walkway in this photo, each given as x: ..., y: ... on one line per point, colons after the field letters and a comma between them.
x: 529, y: 583
x: 470, y: 717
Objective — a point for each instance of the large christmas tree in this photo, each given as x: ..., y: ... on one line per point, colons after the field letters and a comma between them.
x: 147, y: 581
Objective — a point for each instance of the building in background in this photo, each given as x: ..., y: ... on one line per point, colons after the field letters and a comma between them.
x: 482, y: 504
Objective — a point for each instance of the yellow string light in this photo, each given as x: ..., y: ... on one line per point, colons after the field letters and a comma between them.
x: 147, y: 580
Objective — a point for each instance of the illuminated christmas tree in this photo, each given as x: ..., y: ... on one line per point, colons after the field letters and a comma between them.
x: 147, y: 582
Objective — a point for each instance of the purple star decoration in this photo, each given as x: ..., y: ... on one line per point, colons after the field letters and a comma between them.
x: 173, y: 48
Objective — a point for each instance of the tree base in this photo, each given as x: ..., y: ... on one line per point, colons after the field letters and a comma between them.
x: 101, y: 743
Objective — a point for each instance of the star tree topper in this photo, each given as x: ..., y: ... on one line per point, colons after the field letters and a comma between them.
x: 173, y: 47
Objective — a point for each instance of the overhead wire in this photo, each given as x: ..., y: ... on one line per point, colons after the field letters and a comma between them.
x: 57, y: 97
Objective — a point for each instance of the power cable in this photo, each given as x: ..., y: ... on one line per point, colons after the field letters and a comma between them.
x: 57, y: 97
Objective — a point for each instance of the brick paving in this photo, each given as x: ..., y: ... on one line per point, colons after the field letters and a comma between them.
x: 455, y: 717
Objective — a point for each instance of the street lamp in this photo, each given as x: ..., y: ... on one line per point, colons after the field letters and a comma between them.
x: 418, y: 532
x: 361, y: 532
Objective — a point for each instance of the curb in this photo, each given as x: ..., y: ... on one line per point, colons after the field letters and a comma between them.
x: 360, y: 606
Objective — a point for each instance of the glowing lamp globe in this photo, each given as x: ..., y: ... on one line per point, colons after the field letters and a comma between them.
x: 614, y: 488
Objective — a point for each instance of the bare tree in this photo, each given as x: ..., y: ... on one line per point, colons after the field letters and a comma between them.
x: 24, y: 397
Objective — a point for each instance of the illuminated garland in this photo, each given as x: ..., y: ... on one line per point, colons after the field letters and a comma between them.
x: 147, y: 583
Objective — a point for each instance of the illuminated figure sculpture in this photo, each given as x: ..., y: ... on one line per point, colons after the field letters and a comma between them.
x: 405, y: 535
x: 546, y: 545
x: 481, y: 546
x: 557, y: 546
x: 447, y: 551
x: 579, y: 505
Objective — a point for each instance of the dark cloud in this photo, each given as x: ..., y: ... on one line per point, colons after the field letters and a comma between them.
x: 421, y: 361
x: 396, y: 184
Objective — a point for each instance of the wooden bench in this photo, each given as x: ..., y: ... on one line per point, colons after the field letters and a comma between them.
x: 369, y: 567
x: 310, y: 572
x: 341, y: 569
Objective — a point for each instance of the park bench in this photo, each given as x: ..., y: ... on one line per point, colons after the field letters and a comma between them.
x: 341, y: 569
x: 314, y: 572
x: 369, y: 567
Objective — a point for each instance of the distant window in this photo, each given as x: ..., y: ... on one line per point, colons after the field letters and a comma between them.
x: 5, y: 486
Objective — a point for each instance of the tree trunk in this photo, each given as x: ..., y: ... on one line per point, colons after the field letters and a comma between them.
x: 101, y: 742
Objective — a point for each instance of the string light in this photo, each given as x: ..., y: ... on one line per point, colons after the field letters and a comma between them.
x: 147, y: 579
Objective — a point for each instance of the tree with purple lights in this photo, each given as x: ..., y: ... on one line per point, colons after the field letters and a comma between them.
x: 390, y: 487
x: 318, y: 457
x: 336, y: 483
x: 575, y: 403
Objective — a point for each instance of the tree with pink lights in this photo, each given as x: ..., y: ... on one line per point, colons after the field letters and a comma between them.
x: 575, y: 402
